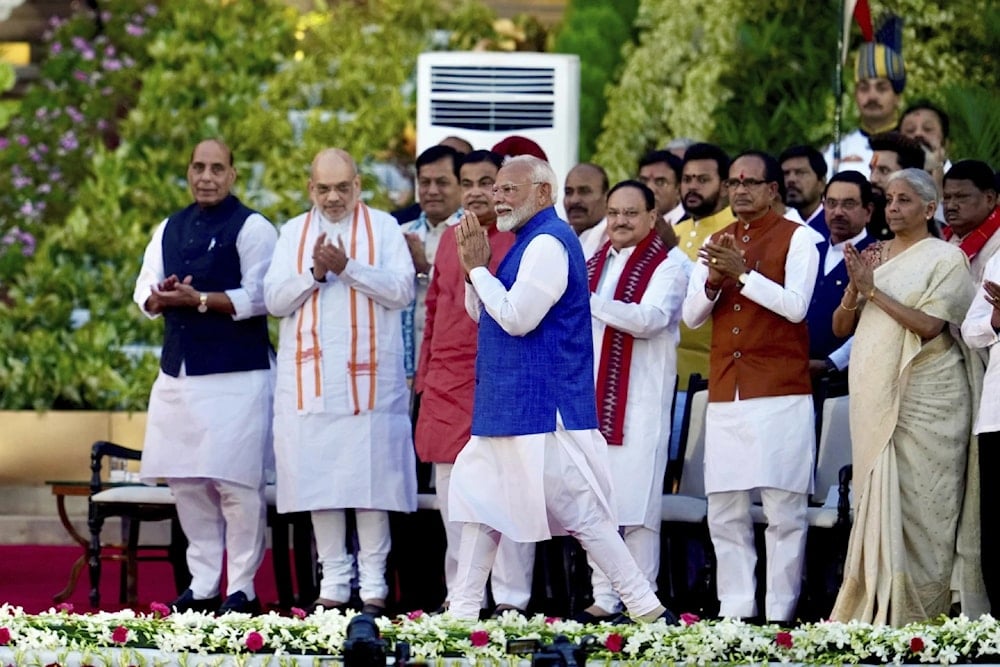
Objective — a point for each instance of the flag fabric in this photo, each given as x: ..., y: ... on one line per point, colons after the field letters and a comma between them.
x: 861, y: 13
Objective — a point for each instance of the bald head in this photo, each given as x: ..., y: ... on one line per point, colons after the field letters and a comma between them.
x: 334, y: 184
x: 585, y: 196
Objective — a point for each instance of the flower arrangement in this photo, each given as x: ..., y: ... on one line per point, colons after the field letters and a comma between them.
x: 439, y: 639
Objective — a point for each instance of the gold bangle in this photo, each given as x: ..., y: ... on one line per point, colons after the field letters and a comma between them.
x: 850, y: 310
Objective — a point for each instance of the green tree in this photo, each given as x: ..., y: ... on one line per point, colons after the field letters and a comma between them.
x: 599, y: 32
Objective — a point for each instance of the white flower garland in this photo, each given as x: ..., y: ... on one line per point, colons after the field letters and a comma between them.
x: 63, y: 638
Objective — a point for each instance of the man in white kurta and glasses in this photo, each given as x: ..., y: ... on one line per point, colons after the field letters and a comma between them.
x: 536, y: 462
x: 341, y: 273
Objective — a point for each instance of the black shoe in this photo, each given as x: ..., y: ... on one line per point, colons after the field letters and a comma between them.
x: 593, y: 619
x: 669, y: 617
x: 187, y: 602
x: 237, y: 603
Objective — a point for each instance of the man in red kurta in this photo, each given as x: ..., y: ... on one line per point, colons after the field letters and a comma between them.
x: 446, y: 378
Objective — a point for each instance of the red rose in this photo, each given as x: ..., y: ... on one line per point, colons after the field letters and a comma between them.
x: 916, y: 645
x: 4, y: 636
x: 298, y: 612
x: 689, y: 619
x: 479, y: 638
x: 120, y: 635
x: 65, y: 606
x: 614, y: 642
x: 415, y: 614
x: 254, y: 641
x: 783, y: 639
x: 549, y: 620
x: 161, y: 610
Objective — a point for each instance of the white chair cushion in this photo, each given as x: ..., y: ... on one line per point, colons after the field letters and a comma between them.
x: 139, y: 493
x: 683, y: 509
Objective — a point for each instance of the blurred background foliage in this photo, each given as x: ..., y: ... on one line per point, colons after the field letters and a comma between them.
x: 94, y: 155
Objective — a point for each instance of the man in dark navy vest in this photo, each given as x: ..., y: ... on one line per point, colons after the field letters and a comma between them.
x: 536, y: 461
x: 208, y: 430
x: 848, y: 204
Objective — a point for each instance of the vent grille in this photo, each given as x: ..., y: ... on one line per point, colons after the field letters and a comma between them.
x: 492, y: 80
x: 492, y: 116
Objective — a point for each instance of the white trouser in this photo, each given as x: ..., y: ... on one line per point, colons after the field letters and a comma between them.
x: 573, y: 505
x: 732, y: 531
x: 221, y: 518
x: 330, y: 529
x: 644, y: 545
x: 515, y: 561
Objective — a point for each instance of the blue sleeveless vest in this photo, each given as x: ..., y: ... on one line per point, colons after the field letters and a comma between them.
x: 521, y: 381
x: 201, y: 242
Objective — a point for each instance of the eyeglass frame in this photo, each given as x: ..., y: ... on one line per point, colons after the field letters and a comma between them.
x: 748, y: 183
x: 846, y: 205
x: 509, y: 188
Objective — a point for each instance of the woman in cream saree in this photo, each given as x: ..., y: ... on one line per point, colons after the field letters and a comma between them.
x: 915, y: 533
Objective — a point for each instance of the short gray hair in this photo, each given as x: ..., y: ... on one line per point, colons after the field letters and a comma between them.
x: 541, y: 171
x: 918, y: 179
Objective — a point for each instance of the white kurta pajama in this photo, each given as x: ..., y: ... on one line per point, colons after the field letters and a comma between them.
x: 764, y: 443
x: 563, y: 481
x: 343, y: 451
x: 639, y: 464
x: 210, y: 435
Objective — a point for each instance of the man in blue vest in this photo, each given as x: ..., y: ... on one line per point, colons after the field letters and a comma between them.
x: 208, y: 429
x: 536, y: 461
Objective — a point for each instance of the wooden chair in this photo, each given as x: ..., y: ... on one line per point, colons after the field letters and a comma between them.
x: 133, y: 503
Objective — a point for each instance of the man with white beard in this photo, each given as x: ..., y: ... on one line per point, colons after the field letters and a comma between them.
x: 536, y: 461
x: 341, y: 273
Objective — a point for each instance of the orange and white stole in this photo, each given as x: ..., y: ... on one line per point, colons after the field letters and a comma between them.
x: 362, y: 364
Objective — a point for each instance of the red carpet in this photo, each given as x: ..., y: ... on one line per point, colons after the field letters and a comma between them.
x: 30, y: 575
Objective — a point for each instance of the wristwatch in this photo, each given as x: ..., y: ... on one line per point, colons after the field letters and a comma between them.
x: 742, y: 279
x: 202, y: 302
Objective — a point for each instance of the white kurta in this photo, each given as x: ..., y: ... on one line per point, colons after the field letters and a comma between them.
x: 978, y: 333
x: 499, y: 481
x: 770, y: 441
x: 855, y: 154
x: 591, y: 240
x: 216, y: 426
x: 638, y: 465
x: 335, y: 459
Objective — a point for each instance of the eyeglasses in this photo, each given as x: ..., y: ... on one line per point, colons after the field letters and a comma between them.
x: 510, y: 188
x: 630, y: 214
x: 748, y: 183
x: 843, y: 204
x: 342, y: 189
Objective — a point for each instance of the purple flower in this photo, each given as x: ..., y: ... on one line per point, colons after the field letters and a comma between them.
x: 3, y: 143
x: 109, y: 51
x: 27, y: 208
x: 69, y: 142
x: 44, y: 189
x: 135, y: 30
x: 87, y: 54
x: 79, y: 43
x: 102, y: 124
x: 151, y: 10
x: 21, y: 139
x: 74, y: 114
x: 34, y: 155
x: 80, y: 76
x: 40, y: 113
x: 21, y: 182
x: 42, y: 148
x: 112, y: 64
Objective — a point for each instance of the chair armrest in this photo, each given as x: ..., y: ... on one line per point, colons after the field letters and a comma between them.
x: 98, y: 451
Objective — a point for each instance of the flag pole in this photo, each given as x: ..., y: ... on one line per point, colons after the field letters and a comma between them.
x: 838, y: 87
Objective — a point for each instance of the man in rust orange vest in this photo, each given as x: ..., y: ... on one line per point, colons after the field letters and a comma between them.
x: 755, y: 280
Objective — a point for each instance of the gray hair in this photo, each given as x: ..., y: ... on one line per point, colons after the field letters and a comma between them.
x: 541, y: 171
x: 918, y: 179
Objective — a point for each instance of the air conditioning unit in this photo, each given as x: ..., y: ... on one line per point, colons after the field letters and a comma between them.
x: 484, y: 97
